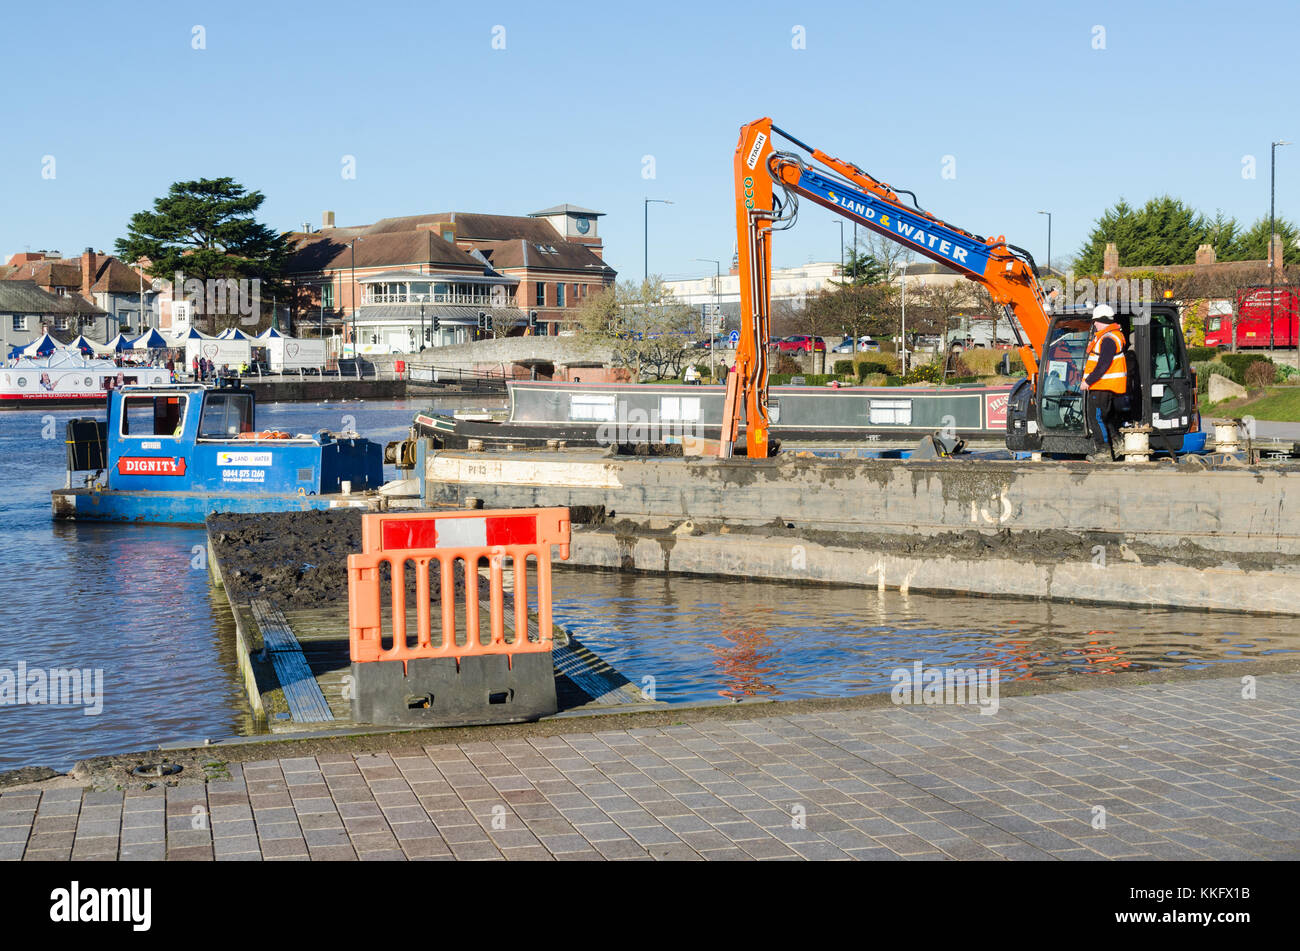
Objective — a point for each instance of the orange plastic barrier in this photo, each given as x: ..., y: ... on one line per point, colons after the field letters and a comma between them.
x: 429, y: 539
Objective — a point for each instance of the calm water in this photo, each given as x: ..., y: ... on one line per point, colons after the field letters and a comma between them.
x: 130, y: 601
x: 704, y: 638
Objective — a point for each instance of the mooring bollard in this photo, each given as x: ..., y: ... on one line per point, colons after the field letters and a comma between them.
x: 1137, y: 444
x: 459, y: 674
x: 1227, y: 437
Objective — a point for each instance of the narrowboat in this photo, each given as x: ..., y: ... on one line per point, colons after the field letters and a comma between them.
x: 178, y: 453
x: 603, y: 414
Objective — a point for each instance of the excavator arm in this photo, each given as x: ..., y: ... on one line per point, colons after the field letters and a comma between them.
x: 769, y: 184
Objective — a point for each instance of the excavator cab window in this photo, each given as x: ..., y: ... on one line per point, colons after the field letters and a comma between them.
x: 1062, y: 372
x: 1171, y: 380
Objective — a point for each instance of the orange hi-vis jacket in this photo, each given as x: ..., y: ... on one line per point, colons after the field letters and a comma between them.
x: 1115, y: 378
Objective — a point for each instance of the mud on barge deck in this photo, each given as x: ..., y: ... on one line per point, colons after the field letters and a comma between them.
x: 285, y: 577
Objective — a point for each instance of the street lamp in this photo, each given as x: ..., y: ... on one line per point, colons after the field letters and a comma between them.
x: 1272, y: 265
x: 717, y: 306
x: 841, y: 224
x: 1049, y: 242
x: 902, y: 337
x: 646, y: 208
x: 352, y: 248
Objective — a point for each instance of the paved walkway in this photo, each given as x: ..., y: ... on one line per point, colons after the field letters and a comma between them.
x: 1182, y: 771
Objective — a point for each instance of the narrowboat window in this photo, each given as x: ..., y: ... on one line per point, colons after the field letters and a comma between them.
x: 890, y: 412
x: 592, y: 407
x: 226, y: 415
x: 153, y: 415
x: 679, y: 408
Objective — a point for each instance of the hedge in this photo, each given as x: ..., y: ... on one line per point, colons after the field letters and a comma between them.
x: 809, y: 379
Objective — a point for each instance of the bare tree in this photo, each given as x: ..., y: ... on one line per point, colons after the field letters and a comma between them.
x: 937, y: 304
x: 646, y: 326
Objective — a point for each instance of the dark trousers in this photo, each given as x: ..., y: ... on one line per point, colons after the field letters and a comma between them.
x: 1099, y: 415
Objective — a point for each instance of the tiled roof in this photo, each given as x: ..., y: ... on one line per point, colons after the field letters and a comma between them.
x: 24, y: 297
x: 566, y: 210
x: 47, y: 273
x: 555, y: 254
x: 114, y: 277
x: 323, y: 251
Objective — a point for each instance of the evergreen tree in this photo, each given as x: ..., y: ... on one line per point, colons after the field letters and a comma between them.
x: 1163, y: 231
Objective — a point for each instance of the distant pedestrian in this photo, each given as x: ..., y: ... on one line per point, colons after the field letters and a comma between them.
x: 196, y: 369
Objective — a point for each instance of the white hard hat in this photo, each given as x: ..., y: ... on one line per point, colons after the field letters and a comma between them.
x: 1103, y: 312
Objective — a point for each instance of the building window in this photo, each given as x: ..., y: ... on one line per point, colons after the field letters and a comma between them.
x: 60, y: 292
x: 60, y: 323
x: 20, y: 322
x: 541, y: 294
x: 574, y: 296
x: 559, y: 295
x: 327, y: 296
x: 124, y: 321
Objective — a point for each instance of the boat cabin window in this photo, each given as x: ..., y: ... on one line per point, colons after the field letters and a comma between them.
x: 592, y: 407
x: 679, y: 409
x: 226, y: 415
x: 153, y: 415
x: 890, y: 412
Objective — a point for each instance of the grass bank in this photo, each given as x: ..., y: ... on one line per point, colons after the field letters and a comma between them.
x: 1275, y: 403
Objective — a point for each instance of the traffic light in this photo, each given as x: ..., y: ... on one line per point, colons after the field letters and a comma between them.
x: 487, y: 322
x: 532, y: 320
x: 482, y: 321
x: 436, y: 324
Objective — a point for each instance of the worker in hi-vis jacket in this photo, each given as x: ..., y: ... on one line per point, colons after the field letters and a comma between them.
x: 1105, y: 379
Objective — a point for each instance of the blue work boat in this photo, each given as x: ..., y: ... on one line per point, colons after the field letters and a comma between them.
x: 178, y: 453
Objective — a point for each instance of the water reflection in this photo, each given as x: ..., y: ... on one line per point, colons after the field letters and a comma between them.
x: 700, y: 638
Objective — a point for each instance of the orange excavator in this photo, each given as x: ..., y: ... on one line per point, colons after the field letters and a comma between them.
x: 1045, y: 410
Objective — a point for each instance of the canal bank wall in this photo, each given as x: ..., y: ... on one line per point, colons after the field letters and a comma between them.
x: 1075, y: 572
x: 318, y: 389
x: 1184, y: 535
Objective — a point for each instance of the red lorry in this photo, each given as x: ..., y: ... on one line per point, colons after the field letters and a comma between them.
x: 1254, y: 307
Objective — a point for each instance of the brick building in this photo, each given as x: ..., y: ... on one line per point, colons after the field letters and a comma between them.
x: 104, y: 295
x: 397, y: 278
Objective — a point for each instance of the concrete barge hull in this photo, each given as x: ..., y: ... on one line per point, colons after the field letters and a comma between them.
x: 1230, y: 509
x: 1155, y: 534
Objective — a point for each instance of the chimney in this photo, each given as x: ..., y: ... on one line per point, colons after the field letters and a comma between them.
x: 88, y: 269
x: 1276, y: 258
x: 1110, y: 259
x: 327, y: 219
x: 1204, y: 255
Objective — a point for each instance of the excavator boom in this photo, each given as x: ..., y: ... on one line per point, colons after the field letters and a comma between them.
x: 762, y: 170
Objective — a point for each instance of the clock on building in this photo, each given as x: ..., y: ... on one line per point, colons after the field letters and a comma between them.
x: 583, y: 225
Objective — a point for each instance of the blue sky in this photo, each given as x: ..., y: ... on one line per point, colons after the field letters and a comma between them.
x: 437, y: 119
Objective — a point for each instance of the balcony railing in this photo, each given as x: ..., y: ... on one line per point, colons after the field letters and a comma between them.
x: 473, y: 300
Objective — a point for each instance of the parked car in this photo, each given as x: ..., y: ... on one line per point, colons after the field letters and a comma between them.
x: 846, y: 345
x: 868, y: 344
x: 801, y: 343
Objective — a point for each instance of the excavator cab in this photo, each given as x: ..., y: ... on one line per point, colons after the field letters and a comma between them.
x: 1047, y: 415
